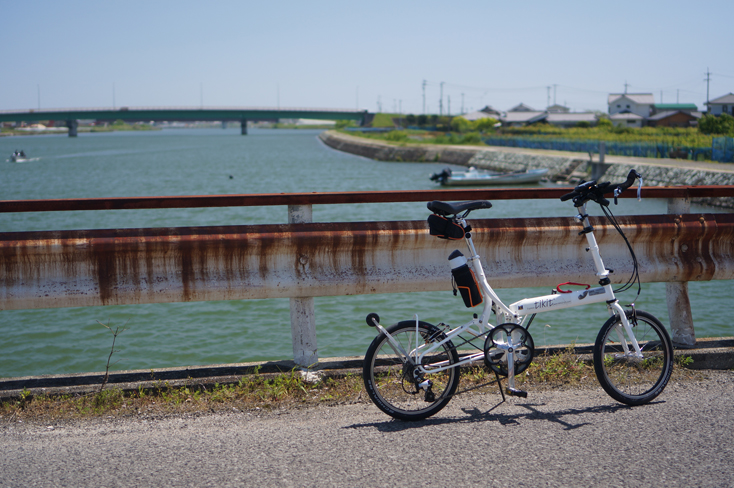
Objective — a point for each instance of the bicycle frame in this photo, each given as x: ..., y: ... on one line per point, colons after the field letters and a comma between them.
x: 518, y: 312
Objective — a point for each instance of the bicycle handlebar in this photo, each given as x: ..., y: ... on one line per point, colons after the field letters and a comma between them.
x: 589, y: 190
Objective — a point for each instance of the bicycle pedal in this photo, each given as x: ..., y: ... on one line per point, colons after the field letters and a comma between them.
x: 516, y: 392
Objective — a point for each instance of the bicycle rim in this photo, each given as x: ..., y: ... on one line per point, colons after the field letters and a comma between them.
x: 389, y: 382
x: 624, y: 376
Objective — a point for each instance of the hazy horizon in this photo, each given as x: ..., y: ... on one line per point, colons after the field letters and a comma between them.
x: 328, y: 54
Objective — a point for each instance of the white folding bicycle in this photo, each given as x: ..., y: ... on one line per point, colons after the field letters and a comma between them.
x: 411, y: 369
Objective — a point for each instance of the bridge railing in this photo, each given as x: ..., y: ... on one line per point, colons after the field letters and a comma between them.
x: 302, y: 259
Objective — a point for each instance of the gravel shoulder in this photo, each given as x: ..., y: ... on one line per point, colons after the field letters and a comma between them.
x: 566, y: 437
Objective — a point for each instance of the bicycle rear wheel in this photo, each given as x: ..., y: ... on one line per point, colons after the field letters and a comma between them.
x: 624, y: 376
x: 392, y: 381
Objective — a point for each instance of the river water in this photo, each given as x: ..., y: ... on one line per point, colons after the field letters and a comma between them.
x: 220, y: 161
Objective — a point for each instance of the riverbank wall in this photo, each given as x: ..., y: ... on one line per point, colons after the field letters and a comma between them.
x: 561, y: 165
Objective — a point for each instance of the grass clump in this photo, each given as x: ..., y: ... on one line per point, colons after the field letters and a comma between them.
x: 257, y: 391
x: 251, y: 392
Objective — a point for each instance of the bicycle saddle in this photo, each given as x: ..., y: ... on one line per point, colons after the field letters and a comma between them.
x: 446, y: 208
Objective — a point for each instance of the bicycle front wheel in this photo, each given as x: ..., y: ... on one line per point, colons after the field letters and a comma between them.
x: 392, y: 380
x: 624, y: 376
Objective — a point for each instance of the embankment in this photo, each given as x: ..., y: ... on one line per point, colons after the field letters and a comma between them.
x: 559, y: 163
x: 656, y: 172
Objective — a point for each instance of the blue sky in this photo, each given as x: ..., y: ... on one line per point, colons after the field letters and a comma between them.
x: 342, y: 54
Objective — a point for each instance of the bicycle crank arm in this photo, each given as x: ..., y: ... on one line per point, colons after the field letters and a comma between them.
x: 511, y: 390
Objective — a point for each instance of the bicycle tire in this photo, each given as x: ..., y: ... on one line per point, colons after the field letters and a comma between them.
x: 389, y: 382
x: 628, y: 379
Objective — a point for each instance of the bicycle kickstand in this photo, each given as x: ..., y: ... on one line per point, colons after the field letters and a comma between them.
x: 499, y: 385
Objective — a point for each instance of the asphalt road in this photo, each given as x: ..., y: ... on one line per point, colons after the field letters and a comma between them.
x: 557, y: 438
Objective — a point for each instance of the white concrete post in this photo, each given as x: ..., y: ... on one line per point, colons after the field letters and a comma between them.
x: 303, y: 316
x: 676, y: 293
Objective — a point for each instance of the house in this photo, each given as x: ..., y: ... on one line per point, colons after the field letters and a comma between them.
x: 627, y: 119
x: 674, y: 118
x: 557, y: 109
x: 721, y: 105
x: 522, y: 108
x: 520, y: 118
x: 491, y: 112
x: 668, y: 107
x: 635, y: 103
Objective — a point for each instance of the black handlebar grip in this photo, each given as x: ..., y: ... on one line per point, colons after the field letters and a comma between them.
x: 631, y: 177
x: 569, y: 196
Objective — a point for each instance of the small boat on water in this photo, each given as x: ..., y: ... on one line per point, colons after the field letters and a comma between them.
x: 19, y: 157
x: 475, y: 177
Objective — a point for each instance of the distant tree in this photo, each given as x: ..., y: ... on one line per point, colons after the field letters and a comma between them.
x: 486, y: 124
x: 583, y: 124
x: 410, y: 119
x: 443, y: 123
x: 604, y: 123
x: 721, y: 125
x: 422, y: 120
x: 460, y: 124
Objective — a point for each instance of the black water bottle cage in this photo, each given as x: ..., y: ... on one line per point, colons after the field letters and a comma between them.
x: 464, y: 280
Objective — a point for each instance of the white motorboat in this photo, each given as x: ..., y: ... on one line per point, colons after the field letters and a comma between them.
x: 475, y: 177
x: 19, y: 157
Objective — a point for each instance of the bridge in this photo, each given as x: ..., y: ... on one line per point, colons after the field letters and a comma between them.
x: 158, y: 114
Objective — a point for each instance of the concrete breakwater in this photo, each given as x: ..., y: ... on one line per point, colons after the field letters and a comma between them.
x: 561, y: 165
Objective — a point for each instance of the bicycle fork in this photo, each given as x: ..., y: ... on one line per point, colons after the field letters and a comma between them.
x: 603, y: 274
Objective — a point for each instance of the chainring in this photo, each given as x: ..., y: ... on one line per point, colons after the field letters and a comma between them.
x: 497, y: 345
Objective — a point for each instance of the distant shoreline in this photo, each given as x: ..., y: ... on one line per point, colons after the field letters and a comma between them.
x: 64, y: 130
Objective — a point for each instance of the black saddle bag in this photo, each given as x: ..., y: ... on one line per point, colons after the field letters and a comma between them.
x: 444, y: 228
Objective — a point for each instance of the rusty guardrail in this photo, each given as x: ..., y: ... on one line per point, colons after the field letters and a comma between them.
x: 301, y: 260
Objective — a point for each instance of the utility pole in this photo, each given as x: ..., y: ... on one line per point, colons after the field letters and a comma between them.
x: 707, y: 80
x: 424, y: 97
x: 440, y: 101
x: 625, y: 86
